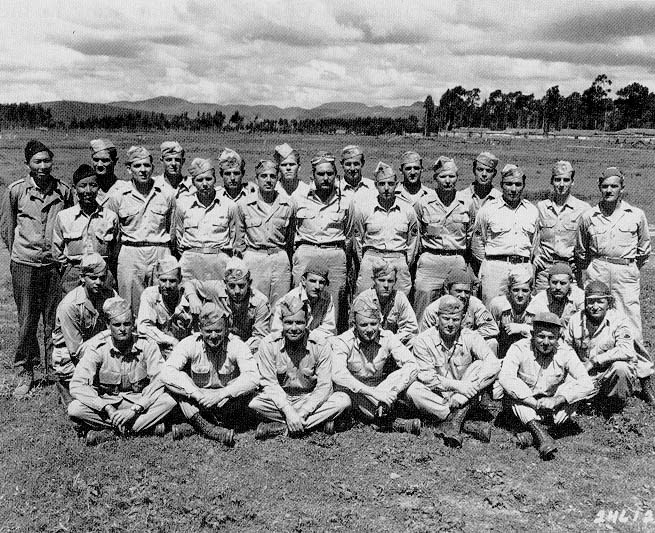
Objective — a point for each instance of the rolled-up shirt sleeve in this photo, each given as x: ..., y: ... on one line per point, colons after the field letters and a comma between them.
x: 268, y: 373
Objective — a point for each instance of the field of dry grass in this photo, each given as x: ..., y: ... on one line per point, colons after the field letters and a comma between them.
x: 356, y: 481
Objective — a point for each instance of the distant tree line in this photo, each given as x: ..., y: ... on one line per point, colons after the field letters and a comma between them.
x: 632, y: 107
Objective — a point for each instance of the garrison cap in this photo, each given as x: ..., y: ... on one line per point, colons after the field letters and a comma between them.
x: 383, y: 171
x: 365, y: 305
x: 210, y: 313
x: 458, y: 276
x: 284, y: 151
x: 229, y: 159
x: 93, y: 263
x: 290, y: 305
x: 236, y: 269
x: 487, y: 159
x: 100, y: 145
x: 560, y: 268
x: 264, y: 165
x: 115, y: 307
x: 519, y: 275
x: 444, y: 164
x: 83, y: 171
x: 350, y: 151
x: 382, y: 267
x: 562, y: 168
x: 136, y: 153
x: 597, y: 289
x: 200, y: 166
x: 450, y: 305
x: 547, y: 318
x: 322, y: 156
x: 611, y: 171
x: 34, y: 147
x: 318, y: 267
x: 410, y: 157
x: 171, y: 147
x: 167, y: 265
x: 512, y: 171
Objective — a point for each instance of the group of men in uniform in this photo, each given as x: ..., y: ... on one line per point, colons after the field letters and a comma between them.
x: 173, y: 298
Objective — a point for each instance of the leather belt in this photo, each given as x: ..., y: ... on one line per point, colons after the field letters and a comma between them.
x: 514, y: 259
x: 267, y: 251
x: 333, y: 244
x: 144, y: 244
x: 204, y: 250
x: 444, y: 252
x: 614, y: 260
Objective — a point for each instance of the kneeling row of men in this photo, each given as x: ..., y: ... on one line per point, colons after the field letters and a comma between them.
x: 300, y: 377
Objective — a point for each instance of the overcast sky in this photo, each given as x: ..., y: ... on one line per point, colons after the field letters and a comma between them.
x: 309, y: 52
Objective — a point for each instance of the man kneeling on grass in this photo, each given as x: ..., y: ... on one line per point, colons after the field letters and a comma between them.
x: 543, y: 379
x: 212, y: 375
x: 296, y: 372
x: 374, y: 367
x: 455, y: 365
x: 116, y: 386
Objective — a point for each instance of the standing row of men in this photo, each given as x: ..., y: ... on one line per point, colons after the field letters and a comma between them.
x: 281, y: 227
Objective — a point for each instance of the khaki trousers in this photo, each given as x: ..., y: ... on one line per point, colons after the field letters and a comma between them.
x: 336, y: 404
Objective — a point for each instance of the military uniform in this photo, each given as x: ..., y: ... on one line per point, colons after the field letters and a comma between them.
x: 76, y: 234
x: 476, y: 318
x: 556, y: 231
x: 445, y: 239
x: 144, y: 224
x: 191, y: 368
x: 412, y: 199
x: 205, y: 236
x: 355, y: 363
x: 503, y: 313
x: 614, y: 248
x: 506, y: 238
x: 299, y: 376
x: 524, y: 375
x: 543, y: 302
x: 469, y: 359
x: 390, y: 234
x: 397, y: 315
x: 471, y: 198
x: 27, y: 222
x: 265, y: 235
x: 105, y: 376
x: 321, y: 313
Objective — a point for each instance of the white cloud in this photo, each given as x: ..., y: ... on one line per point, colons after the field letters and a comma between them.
x: 294, y: 52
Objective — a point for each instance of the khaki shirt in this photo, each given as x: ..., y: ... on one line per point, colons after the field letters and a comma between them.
x: 477, y: 318
x: 143, y: 218
x: 251, y: 319
x: 76, y: 234
x: 321, y: 223
x: 28, y: 216
x: 502, y: 230
x: 393, y: 230
x: 524, y: 374
x: 321, y: 313
x: 105, y: 376
x: 397, y: 315
x: 247, y: 189
x: 293, y: 370
x: 261, y: 225
x: 471, y: 198
x: 191, y: 368
x: 184, y: 188
x: 302, y: 188
x: 364, y: 191
x: 624, y: 234
x: 503, y: 314
x: 355, y: 364
x: 444, y: 227
x: 439, y: 366
x: 543, y: 303
x: 77, y: 320
x: 422, y: 193
x: 213, y: 226
x: 556, y: 228
x: 158, y: 322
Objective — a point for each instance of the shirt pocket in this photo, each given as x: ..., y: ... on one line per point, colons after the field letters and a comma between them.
x: 626, y: 233
x: 201, y: 375
x: 139, y: 377
x: 73, y: 241
x: 109, y: 381
x: 499, y: 226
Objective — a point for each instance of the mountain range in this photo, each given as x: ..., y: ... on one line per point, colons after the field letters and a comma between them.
x: 66, y: 110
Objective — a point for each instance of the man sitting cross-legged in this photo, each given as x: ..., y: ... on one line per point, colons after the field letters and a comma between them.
x: 543, y: 379
x: 116, y: 385
x: 296, y: 370
x: 212, y: 375
x: 374, y: 367
x: 455, y: 365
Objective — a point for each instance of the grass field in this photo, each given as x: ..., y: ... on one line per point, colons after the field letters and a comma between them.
x: 356, y: 481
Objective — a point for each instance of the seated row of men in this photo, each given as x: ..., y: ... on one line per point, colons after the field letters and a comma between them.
x: 216, y: 365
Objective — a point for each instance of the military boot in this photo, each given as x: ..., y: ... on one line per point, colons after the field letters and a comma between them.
x: 543, y: 441
x: 451, y: 428
x: 94, y: 436
x: 478, y: 429
x: 212, y: 431
x: 524, y: 439
x: 647, y: 393
x: 269, y: 430
x: 180, y: 431
x: 407, y: 425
